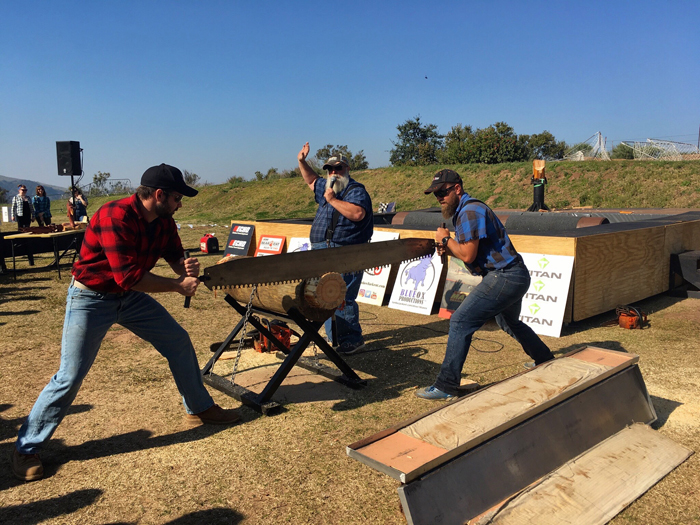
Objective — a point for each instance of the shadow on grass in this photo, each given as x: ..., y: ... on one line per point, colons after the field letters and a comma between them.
x: 221, y: 516
x: 39, y: 511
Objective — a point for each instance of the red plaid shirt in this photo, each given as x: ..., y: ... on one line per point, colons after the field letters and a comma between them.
x: 120, y: 246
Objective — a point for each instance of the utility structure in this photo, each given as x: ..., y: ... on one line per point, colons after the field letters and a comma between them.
x: 538, y: 182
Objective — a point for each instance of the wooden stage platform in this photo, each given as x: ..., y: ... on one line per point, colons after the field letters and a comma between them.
x: 614, y: 264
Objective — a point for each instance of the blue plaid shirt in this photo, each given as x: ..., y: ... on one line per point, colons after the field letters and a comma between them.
x: 42, y: 204
x: 475, y: 220
x: 346, y: 231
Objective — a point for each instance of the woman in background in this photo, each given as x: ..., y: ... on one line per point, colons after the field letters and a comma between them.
x: 42, y: 207
x: 22, y: 210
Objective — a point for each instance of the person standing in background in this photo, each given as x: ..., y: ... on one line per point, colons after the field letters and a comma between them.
x: 77, y: 204
x: 22, y: 210
x: 42, y: 207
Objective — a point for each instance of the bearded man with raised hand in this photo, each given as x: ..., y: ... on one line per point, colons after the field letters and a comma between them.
x: 344, y: 217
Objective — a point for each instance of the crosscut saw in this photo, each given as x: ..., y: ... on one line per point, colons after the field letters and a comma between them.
x: 296, y: 266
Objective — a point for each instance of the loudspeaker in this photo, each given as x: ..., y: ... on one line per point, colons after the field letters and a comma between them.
x: 68, y: 155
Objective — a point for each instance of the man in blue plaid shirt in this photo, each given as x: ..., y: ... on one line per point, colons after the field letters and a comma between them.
x: 344, y: 217
x: 481, y: 242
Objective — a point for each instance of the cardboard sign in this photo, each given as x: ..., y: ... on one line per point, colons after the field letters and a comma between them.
x: 545, y: 301
x: 298, y: 244
x: 374, y: 281
x: 239, y: 238
x: 270, y: 245
x: 416, y: 285
x: 458, y: 284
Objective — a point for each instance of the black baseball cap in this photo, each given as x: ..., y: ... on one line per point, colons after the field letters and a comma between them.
x: 442, y: 178
x: 167, y: 178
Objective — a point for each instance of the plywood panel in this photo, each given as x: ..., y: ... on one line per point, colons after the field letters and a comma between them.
x: 514, y: 459
x: 505, y: 403
x: 471, y: 420
x: 544, y: 244
x: 593, y: 488
x: 618, y: 268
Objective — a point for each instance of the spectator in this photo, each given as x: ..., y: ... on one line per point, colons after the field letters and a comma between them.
x: 77, y: 206
x: 42, y: 207
x: 22, y: 210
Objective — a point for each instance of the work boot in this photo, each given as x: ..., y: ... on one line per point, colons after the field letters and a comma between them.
x: 26, y: 467
x: 214, y: 415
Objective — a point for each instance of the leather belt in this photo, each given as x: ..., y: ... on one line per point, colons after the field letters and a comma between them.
x: 81, y: 286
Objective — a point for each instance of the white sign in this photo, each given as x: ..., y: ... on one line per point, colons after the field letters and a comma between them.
x: 545, y: 301
x: 5, y: 214
x: 416, y: 285
x: 374, y: 280
x: 299, y: 244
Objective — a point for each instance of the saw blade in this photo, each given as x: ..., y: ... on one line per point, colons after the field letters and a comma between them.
x: 296, y: 266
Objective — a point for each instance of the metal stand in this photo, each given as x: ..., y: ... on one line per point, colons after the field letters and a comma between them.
x: 262, y: 402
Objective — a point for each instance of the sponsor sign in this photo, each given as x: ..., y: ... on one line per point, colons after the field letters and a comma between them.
x: 5, y: 214
x: 545, y: 301
x: 239, y: 239
x: 298, y: 244
x: 374, y: 280
x: 416, y: 285
x: 270, y: 245
x: 458, y: 284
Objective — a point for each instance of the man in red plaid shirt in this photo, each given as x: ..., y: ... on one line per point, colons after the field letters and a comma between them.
x: 111, y: 282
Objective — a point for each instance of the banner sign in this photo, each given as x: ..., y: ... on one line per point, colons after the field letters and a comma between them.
x: 270, y: 245
x: 545, y: 301
x: 239, y: 238
x: 5, y: 214
x: 298, y: 244
x: 375, y: 280
x: 458, y: 284
x: 416, y: 285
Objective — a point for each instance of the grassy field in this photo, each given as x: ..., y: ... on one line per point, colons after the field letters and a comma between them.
x: 123, y: 455
x: 614, y: 184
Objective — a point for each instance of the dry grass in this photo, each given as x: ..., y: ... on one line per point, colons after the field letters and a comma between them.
x: 122, y: 454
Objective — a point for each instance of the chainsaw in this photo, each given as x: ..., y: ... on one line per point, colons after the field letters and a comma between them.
x: 297, y: 266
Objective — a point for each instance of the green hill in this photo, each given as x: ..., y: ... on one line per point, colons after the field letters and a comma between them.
x: 612, y: 184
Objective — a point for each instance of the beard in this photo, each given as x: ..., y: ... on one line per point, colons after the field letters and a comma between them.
x: 338, y: 182
x: 448, y: 210
x: 163, y: 211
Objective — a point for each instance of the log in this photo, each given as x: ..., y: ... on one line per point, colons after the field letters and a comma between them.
x: 316, y: 298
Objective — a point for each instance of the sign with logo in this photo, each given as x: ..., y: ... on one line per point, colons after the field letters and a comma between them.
x: 545, y: 301
x: 298, y: 244
x: 270, y: 245
x: 239, y: 238
x: 375, y: 280
x: 416, y: 285
x: 458, y: 284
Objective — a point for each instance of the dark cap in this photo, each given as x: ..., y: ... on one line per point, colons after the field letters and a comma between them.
x: 442, y: 178
x: 336, y: 160
x: 167, y: 178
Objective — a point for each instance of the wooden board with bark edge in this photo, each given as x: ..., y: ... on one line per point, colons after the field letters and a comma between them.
x: 420, y: 448
x: 612, y: 474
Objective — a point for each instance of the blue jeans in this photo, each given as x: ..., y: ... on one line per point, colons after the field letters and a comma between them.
x: 347, y: 316
x: 88, y: 317
x: 498, y: 295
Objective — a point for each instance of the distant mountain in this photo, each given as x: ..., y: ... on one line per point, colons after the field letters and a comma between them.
x: 52, y: 191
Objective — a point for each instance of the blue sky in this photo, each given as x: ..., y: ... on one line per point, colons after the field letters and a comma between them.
x: 225, y: 88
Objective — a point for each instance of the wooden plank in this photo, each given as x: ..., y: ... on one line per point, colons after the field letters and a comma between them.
x: 596, y: 486
x: 618, y: 268
x: 510, y: 461
x: 544, y: 244
x: 469, y: 421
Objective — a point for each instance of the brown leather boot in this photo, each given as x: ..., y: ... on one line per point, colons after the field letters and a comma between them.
x: 26, y: 467
x: 213, y: 416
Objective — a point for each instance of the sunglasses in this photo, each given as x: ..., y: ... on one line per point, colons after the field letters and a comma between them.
x: 23, y: 189
x: 175, y: 198
x: 444, y: 192
x: 335, y: 169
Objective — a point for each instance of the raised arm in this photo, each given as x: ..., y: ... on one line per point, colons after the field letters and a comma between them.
x: 309, y: 175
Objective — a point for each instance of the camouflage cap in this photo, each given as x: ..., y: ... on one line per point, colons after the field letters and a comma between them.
x: 335, y: 160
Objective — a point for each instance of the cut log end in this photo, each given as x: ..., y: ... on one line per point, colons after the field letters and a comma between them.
x: 327, y: 292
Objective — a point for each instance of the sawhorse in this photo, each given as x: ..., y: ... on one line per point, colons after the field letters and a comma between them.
x: 262, y: 402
